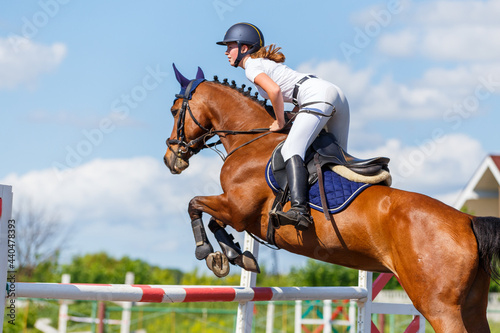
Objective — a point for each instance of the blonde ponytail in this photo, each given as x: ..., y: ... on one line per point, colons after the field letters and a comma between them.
x: 270, y: 52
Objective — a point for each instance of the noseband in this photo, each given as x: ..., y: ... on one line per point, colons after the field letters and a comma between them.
x: 188, y: 147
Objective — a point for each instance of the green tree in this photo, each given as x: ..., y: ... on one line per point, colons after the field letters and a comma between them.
x: 317, y: 273
x: 102, y: 268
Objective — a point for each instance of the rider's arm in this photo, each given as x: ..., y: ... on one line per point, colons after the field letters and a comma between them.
x: 276, y: 98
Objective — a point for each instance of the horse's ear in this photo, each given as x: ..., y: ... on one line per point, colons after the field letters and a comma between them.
x: 180, y: 78
x: 200, y: 74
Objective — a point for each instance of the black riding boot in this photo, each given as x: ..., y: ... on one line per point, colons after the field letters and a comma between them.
x: 297, y: 176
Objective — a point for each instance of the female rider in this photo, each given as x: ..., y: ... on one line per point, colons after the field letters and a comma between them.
x: 321, y: 104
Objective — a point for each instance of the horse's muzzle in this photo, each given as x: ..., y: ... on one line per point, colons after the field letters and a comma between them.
x: 174, y: 162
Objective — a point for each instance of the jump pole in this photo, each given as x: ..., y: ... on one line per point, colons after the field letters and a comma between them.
x: 181, y: 294
x: 5, y: 223
x: 244, y: 316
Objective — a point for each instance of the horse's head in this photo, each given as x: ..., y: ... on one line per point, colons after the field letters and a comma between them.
x: 191, y: 125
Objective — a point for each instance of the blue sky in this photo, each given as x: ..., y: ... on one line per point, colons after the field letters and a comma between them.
x: 86, y: 89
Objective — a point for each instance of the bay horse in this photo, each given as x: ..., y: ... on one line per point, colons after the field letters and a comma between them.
x: 442, y: 257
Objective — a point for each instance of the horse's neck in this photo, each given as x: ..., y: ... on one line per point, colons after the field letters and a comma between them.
x: 232, y: 111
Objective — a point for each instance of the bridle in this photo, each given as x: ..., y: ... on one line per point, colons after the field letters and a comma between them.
x: 191, y: 146
x: 188, y: 147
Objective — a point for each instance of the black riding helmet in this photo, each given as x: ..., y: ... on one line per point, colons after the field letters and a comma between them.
x: 244, y: 34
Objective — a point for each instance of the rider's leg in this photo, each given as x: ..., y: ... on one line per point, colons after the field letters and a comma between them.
x: 338, y: 124
x: 297, y: 176
x: 305, y: 129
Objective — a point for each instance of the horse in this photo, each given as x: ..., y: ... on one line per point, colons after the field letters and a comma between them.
x: 443, y: 258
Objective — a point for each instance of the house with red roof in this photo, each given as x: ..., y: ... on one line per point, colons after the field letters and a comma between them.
x: 481, y: 195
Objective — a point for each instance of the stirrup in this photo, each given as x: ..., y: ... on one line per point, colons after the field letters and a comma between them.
x: 295, y: 216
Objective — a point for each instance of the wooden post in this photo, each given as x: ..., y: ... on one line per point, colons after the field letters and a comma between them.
x: 101, y: 313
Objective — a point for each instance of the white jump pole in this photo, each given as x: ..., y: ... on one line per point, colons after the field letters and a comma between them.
x: 244, y: 316
x: 364, y: 321
x: 7, y: 247
x: 63, y: 308
x: 127, y: 306
x: 180, y: 294
x: 270, y: 317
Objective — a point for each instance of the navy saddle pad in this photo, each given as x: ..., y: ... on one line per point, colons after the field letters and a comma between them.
x: 340, y: 192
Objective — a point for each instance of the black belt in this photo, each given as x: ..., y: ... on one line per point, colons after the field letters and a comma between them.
x: 297, y: 86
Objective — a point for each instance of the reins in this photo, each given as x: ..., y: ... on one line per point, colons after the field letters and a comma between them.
x: 181, y: 138
x: 209, y: 133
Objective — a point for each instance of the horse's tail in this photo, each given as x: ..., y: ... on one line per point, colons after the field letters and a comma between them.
x: 487, y: 231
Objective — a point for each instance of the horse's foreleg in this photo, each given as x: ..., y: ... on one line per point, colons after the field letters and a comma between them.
x: 217, y: 262
x: 203, y: 246
x: 198, y: 206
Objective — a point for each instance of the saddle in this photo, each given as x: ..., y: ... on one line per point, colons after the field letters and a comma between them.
x: 326, y: 151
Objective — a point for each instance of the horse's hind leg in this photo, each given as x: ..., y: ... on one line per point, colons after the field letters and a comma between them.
x: 441, y: 298
x: 438, y: 276
x: 474, y: 309
x: 470, y: 315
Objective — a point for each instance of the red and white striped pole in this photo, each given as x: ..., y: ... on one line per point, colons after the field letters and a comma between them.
x: 182, y: 294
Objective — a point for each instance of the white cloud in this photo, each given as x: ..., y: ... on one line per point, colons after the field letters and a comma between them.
x: 386, y: 99
x: 399, y: 44
x: 460, y: 42
x: 431, y: 96
x: 22, y: 61
x: 446, y: 30
x: 453, y: 12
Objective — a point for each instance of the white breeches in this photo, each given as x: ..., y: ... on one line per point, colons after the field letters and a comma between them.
x: 307, y: 126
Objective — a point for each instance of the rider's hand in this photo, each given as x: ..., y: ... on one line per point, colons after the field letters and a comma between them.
x: 276, y: 126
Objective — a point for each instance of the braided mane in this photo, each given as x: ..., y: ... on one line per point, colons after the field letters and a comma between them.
x: 246, y: 93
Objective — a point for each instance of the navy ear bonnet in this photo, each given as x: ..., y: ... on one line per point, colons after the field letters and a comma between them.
x: 188, y: 86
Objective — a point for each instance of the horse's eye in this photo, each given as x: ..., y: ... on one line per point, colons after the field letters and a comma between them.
x: 174, y: 112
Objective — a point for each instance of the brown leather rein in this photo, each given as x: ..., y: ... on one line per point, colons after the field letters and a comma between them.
x: 190, y: 147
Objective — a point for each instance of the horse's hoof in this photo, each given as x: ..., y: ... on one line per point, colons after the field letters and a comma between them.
x: 217, y: 262
x: 203, y: 251
x: 247, y: 261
